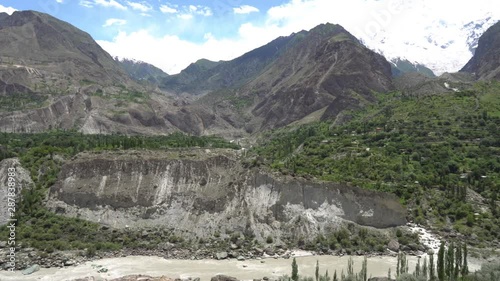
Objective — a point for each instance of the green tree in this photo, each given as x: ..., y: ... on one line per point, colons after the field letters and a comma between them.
x: 449, y: 263
x: 364, y: 270
x: 317, y: 270
x: 440, y: 263
x: 458, y: 262
x: 465, y: 266
x: 432, y: 273
x: 417, y: 268
x: 295, y: 270
x: 425, y: 269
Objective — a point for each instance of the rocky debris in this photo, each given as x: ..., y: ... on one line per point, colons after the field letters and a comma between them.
x: 31, y: 269
x: 127, y: 278
x: 221, y: 255
x: 221, y: 277
x: 91, y: 278
x: 142, y: 278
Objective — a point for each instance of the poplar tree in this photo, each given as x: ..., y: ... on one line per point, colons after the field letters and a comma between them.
x: 440, y: 263
x: 425, y: 269
x: 449, y: 263
x: 465, y: 267
x: 317, y: 270
x: 295, y: 270
x: 417, y: 268
x: 432, y: 273
x: 458, y: 261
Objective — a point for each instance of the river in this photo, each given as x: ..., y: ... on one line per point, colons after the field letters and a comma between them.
x: 205, y: 269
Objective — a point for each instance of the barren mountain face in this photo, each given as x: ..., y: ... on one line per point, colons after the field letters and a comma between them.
x: 485, y: 63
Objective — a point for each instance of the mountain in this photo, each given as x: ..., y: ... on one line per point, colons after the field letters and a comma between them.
x: 141, y: 71
x: 400, y: 66
x: 485, y: 63
x: 442, y: 45
x: 204, y: 75
x: 186, y: 80
x: 54, y: 75
x: 45, y: 47
x: 323, y: 72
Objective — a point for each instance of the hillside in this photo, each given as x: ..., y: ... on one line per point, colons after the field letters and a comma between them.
x: 35, y: 45
x: 320, y: 72
x: 485, y: 64
x: 438, y: 153
x: 142, y: 72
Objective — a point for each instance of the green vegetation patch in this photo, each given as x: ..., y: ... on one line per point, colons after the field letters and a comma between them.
x: 20, y: 100
x: 429, y: 151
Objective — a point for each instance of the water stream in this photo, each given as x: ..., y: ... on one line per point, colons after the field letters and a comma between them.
x: 205, y: 269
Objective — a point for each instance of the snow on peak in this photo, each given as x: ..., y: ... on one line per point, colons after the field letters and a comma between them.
x: 439, y: 38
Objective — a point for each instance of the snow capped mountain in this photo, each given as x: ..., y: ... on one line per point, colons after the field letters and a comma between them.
x: 435, y: 37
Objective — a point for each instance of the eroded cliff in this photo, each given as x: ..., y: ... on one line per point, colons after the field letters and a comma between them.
x: 200, y: 192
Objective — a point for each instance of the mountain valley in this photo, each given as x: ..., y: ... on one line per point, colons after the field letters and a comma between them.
x: 312, y: 142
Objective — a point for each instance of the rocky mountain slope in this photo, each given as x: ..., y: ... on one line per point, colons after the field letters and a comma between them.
x: 201, y: 192
x: 485, y: 63
x: 322, y: 72
x: 142, y: 72
x: 36, y: 45
x: 53, y: 75
x: 401, y: 66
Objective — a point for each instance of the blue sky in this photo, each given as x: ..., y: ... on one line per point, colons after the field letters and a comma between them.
x: 173, y: 33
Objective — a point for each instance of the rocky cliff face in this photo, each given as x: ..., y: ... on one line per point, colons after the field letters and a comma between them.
x: 200, y: 192
x: 485, y: 63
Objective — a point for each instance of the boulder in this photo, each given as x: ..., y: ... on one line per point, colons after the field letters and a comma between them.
x: 393, y: 245
x: 221, y: 255
x: 221, y: 277
x: 31, y: 269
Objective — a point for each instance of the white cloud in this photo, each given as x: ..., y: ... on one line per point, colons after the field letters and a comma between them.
x: 143, y: 7
x: 110, y: 22
x: 103, y: 3
x: 185, y: 16
x: 173, y: 54
x: 86, y: 3
x: 245, y: 9
x: 60, y: 1
x: 8, y: 10
x: 186, y: 12
x: 199, y: 10
x: 397, y: 22
x: 167, y: 9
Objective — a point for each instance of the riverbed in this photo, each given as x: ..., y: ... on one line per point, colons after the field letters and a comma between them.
x: 205, y: 269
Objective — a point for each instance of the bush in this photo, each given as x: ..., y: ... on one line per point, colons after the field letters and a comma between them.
x: 91, y: 251
x: 269, y: 239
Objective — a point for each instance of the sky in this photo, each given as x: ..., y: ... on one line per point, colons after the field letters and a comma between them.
x: 172, y: 34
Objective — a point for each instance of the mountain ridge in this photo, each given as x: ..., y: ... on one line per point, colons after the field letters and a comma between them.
x: 486, y: 61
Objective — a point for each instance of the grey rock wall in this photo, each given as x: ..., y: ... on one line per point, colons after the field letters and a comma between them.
x: 202, y: 191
